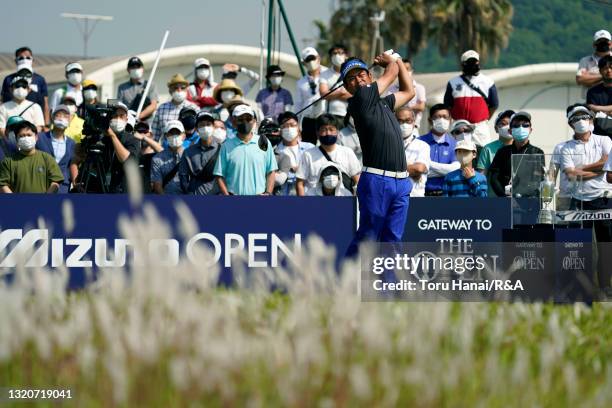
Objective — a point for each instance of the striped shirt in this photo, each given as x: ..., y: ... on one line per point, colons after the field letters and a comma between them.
x: 455, y: 185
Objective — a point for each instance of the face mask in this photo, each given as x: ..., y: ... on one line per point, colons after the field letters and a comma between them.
x: 75, y: 78
x: 330, y: 182
x: 465, y: 158
x: 202, y: 73
x: 504, y: 132
x: 60, y: 123
x: 219, y: 135
x: 289, y: 133
x: 118, y: 125
x: 244, y: 128
x: 179, y: 96
x: 407, y: 129
x: 20, y: 93
x: 312, y: 65
x: 136, y: 73
x: 338, y: 59
x: 276, y: 80
x: 582, y: 126
x: 441, y: 125
x: 227, y: 96
x: 205, y: 132
x: 471, y: 68
x: 26, y: 143
x: 603, y: 46
x: 328, y: 140
x: 463, y: 136
x: 174, y: 141
x: 90, y: 94
x: 520, y: 134
x: 189, y: 122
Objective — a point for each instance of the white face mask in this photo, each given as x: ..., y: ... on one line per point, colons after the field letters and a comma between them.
x: 441, y: 125
x: 504, y: 132
x: 331, y: 181
x: 312, y: 65
x: 227, y: 96
x: 26, y: 143
x: 20, y: 93
x: 118, y: 125
x: 75, y: 78
x: 174, y: 141
x: 60, y: 123
x: 582, y: 126
x: 205, y: 132
x: 464, y: 158
x: 202, y: 73
x: 136, y: 73
x: 276, y: 80
x: 407, y: 129
x: 179, y: 96
x: 219, y: 135
x: 289, y: 133
x: 90, y: 94
x: 338, y: 59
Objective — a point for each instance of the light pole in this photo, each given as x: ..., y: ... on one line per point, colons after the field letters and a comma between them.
x: 86, y: 31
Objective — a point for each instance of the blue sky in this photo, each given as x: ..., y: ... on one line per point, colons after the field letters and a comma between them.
x: 138, y: 25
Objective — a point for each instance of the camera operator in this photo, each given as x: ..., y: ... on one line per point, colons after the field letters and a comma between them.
x: 123, y: 146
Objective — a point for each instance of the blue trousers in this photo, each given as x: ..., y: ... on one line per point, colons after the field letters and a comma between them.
x: 383, y: 209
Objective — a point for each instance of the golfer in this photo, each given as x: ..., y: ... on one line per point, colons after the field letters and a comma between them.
x: 384, y: 186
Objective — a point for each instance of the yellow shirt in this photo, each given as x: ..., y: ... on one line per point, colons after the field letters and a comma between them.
x: 75, y: 129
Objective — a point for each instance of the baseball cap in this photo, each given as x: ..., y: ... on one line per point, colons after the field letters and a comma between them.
x: 308, y: 52
x: 201, y: 62
x: 186, y: 110
x: 520, y: 115
x: 579, y: 109
x: 602, y: 34
x: 461, y: 123
x: 469, y: 54
x: 88, y: 83
x: 465, y: 145
x: 134, y: 62
x: 60, y: 108
x: 13, y: 120
x: 243, y: 110
x: 274, y: 70
x: 25, y: 64
x: 174, y: 124
x: 71, y: 66
x: 351, y: 64
x: 17, y: 79
x: 205, y: 115
x: 121, y: 105
x: 505, y: 114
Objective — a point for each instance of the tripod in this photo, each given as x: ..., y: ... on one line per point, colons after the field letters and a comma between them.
x: 93, y: 172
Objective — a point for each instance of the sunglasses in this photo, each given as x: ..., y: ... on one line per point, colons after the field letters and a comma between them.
x: 23, y: 58
x: 579, y: 118
x: 525, y: 125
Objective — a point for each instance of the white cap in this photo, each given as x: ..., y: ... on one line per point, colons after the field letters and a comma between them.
x: 174, y: 124
x: 61, y: 107
x: 73, y: 65
x: 243, y: 110
x: 25, y: 64
x: 579, y: 109
x: 201, y: 61
x: 308, y: 52
x: 121, y: 105
x: 602, y: 34
x: 459, y: 123
x: 469, y: 54
x: 466, y: 145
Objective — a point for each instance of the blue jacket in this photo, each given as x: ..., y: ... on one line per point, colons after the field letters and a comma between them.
x: 44, y: 144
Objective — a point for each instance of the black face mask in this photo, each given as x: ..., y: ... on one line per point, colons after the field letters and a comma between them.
x: 471, y: 68
x: 244, y: 128
x: 189, y: 122
x: 602, y: 46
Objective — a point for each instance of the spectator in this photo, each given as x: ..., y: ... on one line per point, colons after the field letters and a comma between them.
x: 274, y: 99
x: 348, y: 137
x: 60, y: 147
x: 307, y: 91
x: 131, y: 92
x: 165, y: 164
x: 316, y: 159
x: 337, y: 101
x: 74, y: 75
x: 503, y: 176
x: 417, y: 151
x: 564, y: 195
x: 465, y: 181
x: 330, y: 183
x: 441, y: 149
x: 472, y: 96
x: 226, y: 92
x: 198, y: 162
x: 20, y: 106
x: 187, y: 116
x: 177, y: 87
x: 123, y: 146
x: 502, y: 128
x: 289, y: 153
x: 231, y: 71
x: 8, y: 143
x: 90, y: 96
x: 243, y: 167
x: 75, y: 126
x: 200, y: 91
x: 29, y: 170
x: 585, y: 161
x: 588, y: 74
x: 462, y: 130
x: 38, y: 86
x: 599, y: 98
x: 219, y: 131
x: 417, y: 104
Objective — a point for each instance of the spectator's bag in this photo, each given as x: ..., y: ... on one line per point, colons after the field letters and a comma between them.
x: 347, y: 181
x: 206, y: 174
x: 476, y: 89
